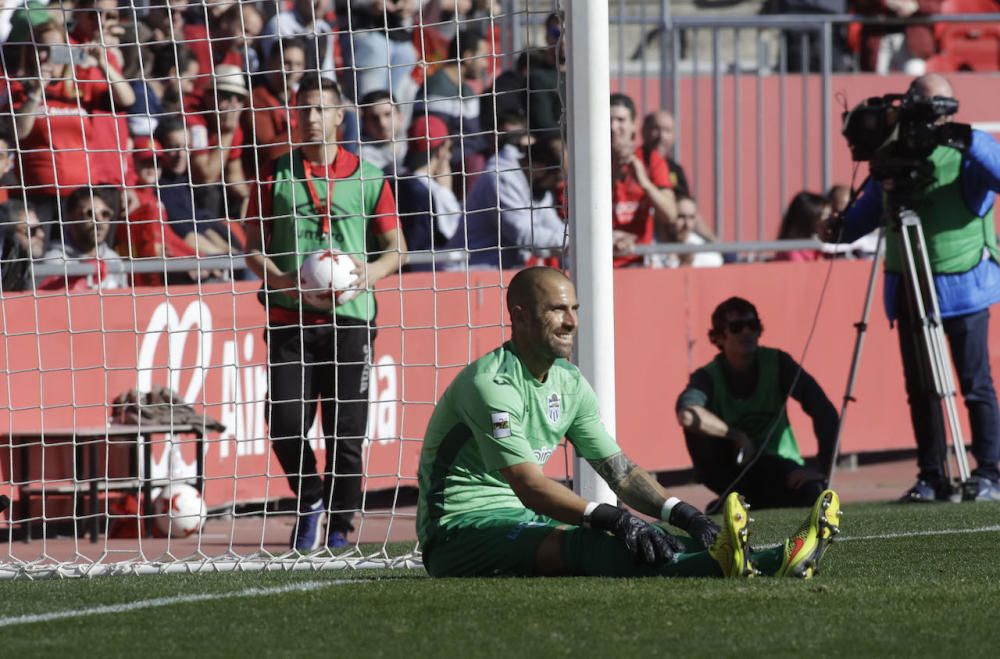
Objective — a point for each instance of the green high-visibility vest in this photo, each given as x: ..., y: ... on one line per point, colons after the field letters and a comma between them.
x: 954, y: 234
x: 297, y: 228
x: 762, y: 411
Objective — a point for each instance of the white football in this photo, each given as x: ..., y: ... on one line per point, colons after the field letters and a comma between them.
x: 180, y: 511
x: 327, y: 279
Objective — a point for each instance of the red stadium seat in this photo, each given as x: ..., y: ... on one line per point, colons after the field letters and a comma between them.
x: 967, y: 46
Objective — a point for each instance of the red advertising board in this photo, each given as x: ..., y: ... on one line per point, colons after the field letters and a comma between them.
x: 64, y: 357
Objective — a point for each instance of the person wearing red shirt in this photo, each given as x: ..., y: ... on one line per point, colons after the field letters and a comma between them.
x: 642, y: 198
x: 219, y: 43
x: 270, y: 120
x: 145, y: 233
x: 98, y: 22
x: 61, y: 145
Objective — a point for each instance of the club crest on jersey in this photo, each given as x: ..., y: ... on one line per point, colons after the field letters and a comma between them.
x: 542, y: 455
x: 500, y: 423
x: 554, y: 408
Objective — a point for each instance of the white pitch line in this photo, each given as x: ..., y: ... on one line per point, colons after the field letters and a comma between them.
x: 892, y: 536
x: 305, y: 586
x: 920, y: 534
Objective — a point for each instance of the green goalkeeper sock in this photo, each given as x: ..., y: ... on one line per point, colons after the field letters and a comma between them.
x: 768, y: 560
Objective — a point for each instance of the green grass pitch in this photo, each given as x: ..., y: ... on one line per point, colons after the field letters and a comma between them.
x: 901, y: 581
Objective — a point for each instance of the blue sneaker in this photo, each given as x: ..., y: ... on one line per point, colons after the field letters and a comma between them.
x: 987, y: 490
x: 926, y: 492
x: 305, y: 534
x: 337, y: 539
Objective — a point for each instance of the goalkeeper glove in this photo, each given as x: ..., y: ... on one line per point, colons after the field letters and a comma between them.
x: 698, y: 525
x: 645, y: 543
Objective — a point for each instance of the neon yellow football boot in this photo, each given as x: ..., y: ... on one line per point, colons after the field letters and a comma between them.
x: 806, y: 547
x: 731, y: 548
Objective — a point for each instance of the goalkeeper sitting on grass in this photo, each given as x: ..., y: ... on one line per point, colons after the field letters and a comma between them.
x: 487, y: 509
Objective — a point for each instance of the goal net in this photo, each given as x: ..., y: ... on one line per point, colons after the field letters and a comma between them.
x: 163, y: 180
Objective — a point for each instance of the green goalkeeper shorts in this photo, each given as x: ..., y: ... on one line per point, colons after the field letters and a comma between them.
x: 504, y: 543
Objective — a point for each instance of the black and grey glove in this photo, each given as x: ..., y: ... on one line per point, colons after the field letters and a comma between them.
x: 644, y: 542
x: 698, y: 525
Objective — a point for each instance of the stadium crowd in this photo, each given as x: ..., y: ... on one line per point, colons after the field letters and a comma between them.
x: 168, y: 113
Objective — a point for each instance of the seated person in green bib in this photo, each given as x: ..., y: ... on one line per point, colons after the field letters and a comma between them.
x: 734, y: 418
x: 486, y: 508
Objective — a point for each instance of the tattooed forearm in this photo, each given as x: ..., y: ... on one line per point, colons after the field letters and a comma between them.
x: 633, y: 484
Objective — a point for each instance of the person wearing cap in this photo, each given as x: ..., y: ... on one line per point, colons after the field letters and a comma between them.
x: 321, y: 197
x: 429, y: 211
x: 220, y: 184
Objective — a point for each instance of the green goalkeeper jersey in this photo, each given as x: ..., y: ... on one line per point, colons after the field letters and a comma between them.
x: 494, y: 415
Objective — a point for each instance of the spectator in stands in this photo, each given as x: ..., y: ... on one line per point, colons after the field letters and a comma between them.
x: 448, y: 95
x: 886, y: 48
x: 658, y: 135
x: 512, y: 128
x: 802, y: 221
x: 546, y: 85
x: 429, y: 212
x: 87, y: 225
x: 382, y: 130
x: 27, y: 229
x: 174, y: 78
x: 138, y: 57
x: 306, y: 19
x: 271, y: 119
x: 682, y: 230
x: 734, y: 419
x: 146, y: 232
x: 98, y: 23
x: 166, y: 18
x: 838, y: 197
x: 956, y: 212
x: 643, y: 201
x: 27, y: 244
x: 201, y: 232
x: 220, y: 42
x: 380, y: 46
x: 217, y: 142
x: 316, y: 354
x: 507, y: 97
x: 511, y: 208
x: 54, y: 106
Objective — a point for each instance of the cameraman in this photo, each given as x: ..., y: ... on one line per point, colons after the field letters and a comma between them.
x: 956, y: 212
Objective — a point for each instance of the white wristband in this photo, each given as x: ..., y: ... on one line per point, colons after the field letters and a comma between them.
x: 668, y: 506
x: 588, y: 511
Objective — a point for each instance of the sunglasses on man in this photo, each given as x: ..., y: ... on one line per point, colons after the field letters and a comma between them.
x: 737, y: 326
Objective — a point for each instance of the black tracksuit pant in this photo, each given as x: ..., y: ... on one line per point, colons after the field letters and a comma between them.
x: 330, y: 366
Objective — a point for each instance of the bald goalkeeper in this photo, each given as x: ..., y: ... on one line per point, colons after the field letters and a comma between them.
x: 486, y: 508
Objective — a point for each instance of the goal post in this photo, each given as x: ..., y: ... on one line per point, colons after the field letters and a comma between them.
x: 117, y: 357
x: 588, y: 119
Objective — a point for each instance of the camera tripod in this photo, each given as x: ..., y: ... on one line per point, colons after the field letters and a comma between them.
x: 902, y: 223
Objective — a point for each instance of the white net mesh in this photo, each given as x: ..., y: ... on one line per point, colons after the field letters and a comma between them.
x: 165, y: 157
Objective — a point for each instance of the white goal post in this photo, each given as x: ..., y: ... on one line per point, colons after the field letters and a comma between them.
x: 130, y: 324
